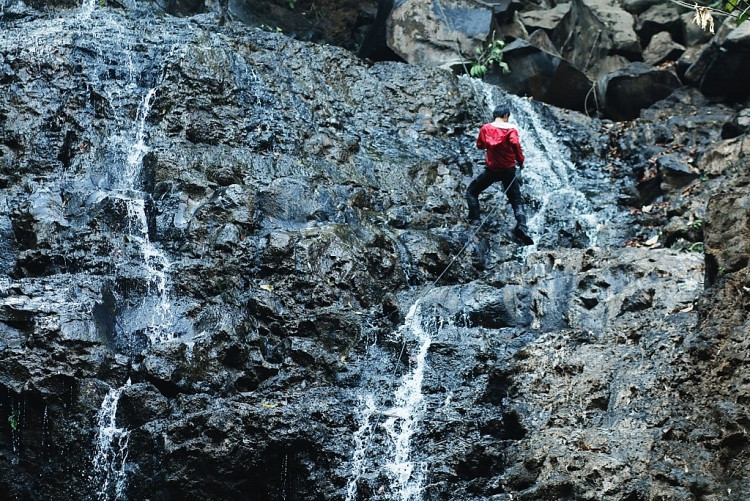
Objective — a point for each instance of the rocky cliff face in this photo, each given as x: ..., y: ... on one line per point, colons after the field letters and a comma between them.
x: 235, y: 266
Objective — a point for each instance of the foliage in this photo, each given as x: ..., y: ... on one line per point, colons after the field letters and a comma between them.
x: 13, y: 421
x: 740, y: 8
x: 704, y: 14
x: 486, y: 56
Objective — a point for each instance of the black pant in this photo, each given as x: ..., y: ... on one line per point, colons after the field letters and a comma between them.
x: 512, y: 191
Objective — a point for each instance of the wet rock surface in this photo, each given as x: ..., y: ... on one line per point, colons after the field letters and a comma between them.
x: 236, y: 266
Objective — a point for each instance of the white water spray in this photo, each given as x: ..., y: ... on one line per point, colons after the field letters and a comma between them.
x: 548, y: 168
x: 361, y: 440
x: 401, y: 422
x: 405, y: 417
x: 111, y: 449
x: 155, y: 261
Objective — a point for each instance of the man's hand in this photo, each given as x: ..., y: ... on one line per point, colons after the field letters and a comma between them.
x: 520, y: 165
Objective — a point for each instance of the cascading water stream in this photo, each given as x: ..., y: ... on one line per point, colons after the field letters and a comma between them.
x: 109, y: 476
x: 116, y: 170
x: 404, y: 418
x: 401, y: 420
x: 116, y: 70
x: 156, y: 264
x: 548, y: 185
x: 548, y: 176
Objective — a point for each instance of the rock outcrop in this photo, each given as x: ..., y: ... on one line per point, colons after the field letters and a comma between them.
x: 236, y: 265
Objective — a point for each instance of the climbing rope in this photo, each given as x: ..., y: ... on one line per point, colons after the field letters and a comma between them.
x: 471, y: 238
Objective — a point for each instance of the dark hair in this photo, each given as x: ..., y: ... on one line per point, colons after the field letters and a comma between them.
x: 501, y: 111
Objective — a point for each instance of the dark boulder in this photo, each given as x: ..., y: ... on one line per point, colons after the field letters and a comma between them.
x: 661, y: 49
x: 662, y: 17
x: 592, y: 30
x: 537, y: 70
x: 437, y: 33
x: 627, y: 91
x: 722, y: 65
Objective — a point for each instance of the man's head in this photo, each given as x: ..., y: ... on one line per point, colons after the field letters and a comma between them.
x: 501, y: 111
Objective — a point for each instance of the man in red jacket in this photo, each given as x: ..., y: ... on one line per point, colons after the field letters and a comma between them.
x: 500, y: 139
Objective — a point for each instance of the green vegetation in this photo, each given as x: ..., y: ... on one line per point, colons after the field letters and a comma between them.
x: 13, y: 421
x: 486, y: 56
x: 704, y: 14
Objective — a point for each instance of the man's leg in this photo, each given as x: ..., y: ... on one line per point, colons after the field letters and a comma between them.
x: 476, y: 187
x: 513, y: 192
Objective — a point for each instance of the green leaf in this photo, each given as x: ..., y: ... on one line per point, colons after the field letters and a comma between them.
x: 478, y: 70
x: 504, y: 68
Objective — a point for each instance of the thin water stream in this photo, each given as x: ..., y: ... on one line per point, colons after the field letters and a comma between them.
x: 391, y: 419
x: 116, y: 167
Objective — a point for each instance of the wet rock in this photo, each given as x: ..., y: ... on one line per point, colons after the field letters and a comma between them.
x: 230, y: 231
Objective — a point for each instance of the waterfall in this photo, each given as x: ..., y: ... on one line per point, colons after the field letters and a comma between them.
x: 401, y: 421
x: 362, y: 439
x: 111, y: 442
x: 548, y: 178
x: 116, y: 69
x: 157, y: 303
x: 404, y: 418
x: 386, y: 455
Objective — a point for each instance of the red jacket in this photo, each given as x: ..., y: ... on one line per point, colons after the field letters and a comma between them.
x: 502, y: 145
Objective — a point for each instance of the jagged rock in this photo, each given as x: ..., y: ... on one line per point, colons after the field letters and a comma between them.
x: 537, y: 70
x: 510, y: 29
x: 593, y: 30
x: 627, y: 91
x: 722, y: 63
x: 662, y: 17
x: 675, y: 172
x: 547, y: 19
x: 662, y: 49
x: 436, y: 34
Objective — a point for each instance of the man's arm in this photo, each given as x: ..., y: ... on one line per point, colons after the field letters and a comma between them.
x: 481, y: 144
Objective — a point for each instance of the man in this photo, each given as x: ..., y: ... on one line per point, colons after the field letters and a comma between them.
x: 500, y: 139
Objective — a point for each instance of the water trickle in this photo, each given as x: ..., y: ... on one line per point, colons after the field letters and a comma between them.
x: 155, y: 261
x: 404, y: 418
x: 401, y: 421
x: 109, y: 476
x: 117, y: 70
x: 361, y: 441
